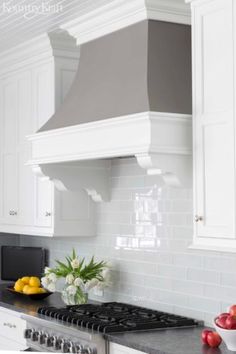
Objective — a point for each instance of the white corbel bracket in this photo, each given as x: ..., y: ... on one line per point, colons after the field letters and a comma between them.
x: 175, y: 169
x: 91, y: 176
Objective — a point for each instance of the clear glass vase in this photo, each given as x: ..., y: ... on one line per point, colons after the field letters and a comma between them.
x: 77, y: 297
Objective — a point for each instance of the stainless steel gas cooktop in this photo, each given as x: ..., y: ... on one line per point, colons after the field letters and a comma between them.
x: 79, y: 329
x: 116, y: 317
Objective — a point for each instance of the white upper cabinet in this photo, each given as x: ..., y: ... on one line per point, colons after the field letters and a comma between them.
x: 43, y: 109
x: 30, y: 92
x: 214, y: 124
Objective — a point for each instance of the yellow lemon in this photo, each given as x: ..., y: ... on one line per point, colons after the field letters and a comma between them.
x: 25, y: 289
x: 34, y: 282
x: 25, y: 280
x: 42, y: 290
x: 33, y: 290
x: 19, y: 285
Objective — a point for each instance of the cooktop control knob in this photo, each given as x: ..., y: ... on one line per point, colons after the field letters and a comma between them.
x: 57, y: 343
x: 42, y: 338
x: 27, y: 333
x: 49, y: 341
x: 88, y: 350
x: 84, y: 350
x: 78, y: 348
x: 71, y: 347
x: 65, y: 347
x: 34, y: 335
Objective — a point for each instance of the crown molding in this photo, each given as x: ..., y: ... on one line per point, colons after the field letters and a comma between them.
x: 122, y: 13
x: 42, y: 48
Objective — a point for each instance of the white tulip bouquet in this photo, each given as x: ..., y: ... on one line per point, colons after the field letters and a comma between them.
x: 79, y: 277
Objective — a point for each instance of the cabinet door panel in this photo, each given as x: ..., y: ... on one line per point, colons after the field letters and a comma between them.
x: 25, y: 121
x: 214, y: 121
x: 25, y: 189
x: 10, y: 105
x: 25, y: 127
x: 10, y: 189
x: 44, y: 205
x: 44, y: 107
x: 44, y: 91
x: 12, y: 326
x: 10, y: 345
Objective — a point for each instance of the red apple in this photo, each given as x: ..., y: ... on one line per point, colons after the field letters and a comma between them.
x: 213, y: 339
x: 204, y: 336
x: 230, y: 322
x: 232, y: 310
x: 224, y: 314
x: 221, y: 320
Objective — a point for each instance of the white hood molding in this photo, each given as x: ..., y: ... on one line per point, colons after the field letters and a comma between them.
x: 141, y: 134
x: 160, y: 142
x: 78, y: 155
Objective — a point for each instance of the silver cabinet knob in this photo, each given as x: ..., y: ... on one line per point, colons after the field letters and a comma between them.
x: 198, y: 218
x: 47, y: 214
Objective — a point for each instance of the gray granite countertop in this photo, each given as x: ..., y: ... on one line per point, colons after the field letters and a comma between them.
x: 174, y: 341
x: 179, y: 341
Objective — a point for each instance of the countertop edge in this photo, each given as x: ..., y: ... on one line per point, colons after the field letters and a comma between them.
x: 125, y: 343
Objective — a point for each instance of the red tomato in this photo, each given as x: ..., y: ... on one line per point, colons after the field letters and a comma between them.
x: 213, y: 339
x: 232, y: 310
x: 204, y: 336
x: 230, y: 322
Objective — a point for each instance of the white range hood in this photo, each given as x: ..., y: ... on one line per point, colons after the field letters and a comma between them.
x: 131, y: 97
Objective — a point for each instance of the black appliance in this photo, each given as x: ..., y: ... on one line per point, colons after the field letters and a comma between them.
x: 17, y: 262
x: 116, y: 317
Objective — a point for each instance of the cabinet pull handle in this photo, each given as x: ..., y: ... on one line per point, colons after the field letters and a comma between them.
x: 198, y: 218
x: 10, y: 325
x: 12, y: 212
x: 47, y: 214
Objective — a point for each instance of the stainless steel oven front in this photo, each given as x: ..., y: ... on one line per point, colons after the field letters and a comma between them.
x: 49, y: 336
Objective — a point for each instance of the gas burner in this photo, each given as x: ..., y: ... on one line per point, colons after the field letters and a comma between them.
x: 83, y: 309
x: 116, y: 317
x: 118, y: 307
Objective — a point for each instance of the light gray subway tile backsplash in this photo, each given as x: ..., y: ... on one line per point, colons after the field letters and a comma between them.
x: 145, y: 232
x: 203, y: 276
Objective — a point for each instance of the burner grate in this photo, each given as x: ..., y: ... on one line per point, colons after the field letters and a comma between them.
x: 116, y: 317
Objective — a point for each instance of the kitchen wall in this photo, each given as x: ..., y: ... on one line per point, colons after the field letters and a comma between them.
x: 145, y: 232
